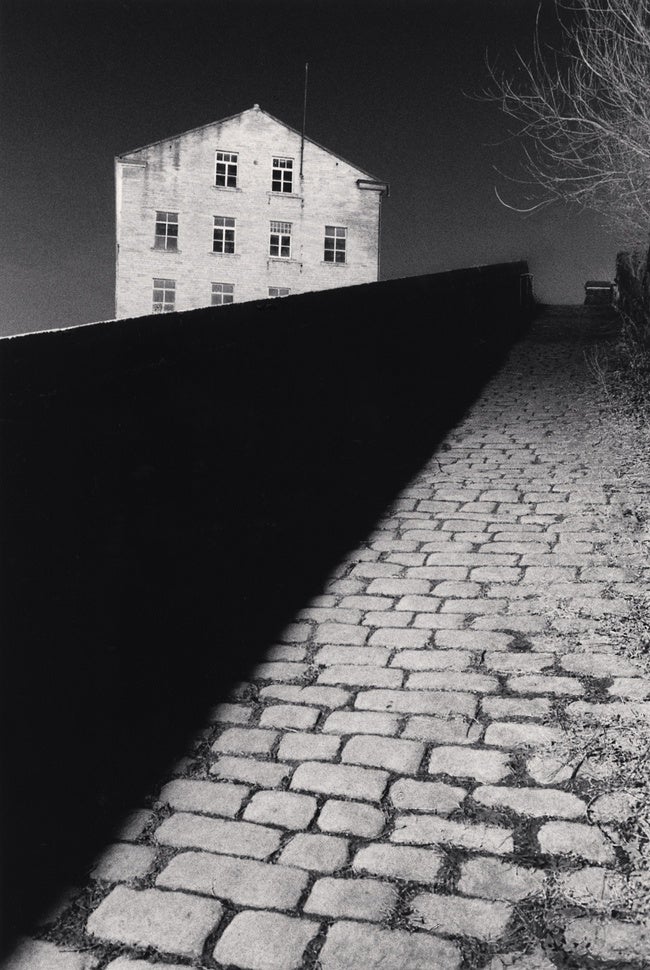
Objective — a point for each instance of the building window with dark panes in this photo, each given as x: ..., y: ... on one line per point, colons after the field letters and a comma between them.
x: 282, y: 180
x: 223, y: 293
x: 279, y: 291
x: 164, y: 296
x: 166, y: 235
x: 335, y: 239
x: 223, y: 235
x: 226, y: 170
x: 280, y: 240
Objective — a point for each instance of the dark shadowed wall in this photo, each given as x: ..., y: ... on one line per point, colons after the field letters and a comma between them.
x: 174, y: 488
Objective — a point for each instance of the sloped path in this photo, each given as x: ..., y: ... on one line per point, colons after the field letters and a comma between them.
x: 411, y: 780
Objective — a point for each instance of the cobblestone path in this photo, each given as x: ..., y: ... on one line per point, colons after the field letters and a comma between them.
x: 410, y: 780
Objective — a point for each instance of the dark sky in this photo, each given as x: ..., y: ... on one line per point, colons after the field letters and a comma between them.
x: 392, y: 87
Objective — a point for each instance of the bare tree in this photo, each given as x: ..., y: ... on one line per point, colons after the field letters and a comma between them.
x: 583, y: 112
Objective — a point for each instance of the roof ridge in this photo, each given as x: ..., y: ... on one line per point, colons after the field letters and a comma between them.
x: 221, y: 121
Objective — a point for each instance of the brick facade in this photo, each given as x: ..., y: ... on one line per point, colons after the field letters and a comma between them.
x: 177, y: 176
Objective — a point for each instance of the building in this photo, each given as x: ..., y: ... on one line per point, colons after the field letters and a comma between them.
x: 241, y: 209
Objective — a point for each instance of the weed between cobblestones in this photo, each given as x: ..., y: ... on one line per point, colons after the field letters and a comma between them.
x: 475, y: 954
x: 541, y: 922
x: 207, y: 959
x: 519, y: 643
x: 69, y: 930
x: 596, y: 689
x: 630, y: 634
x: 311, y: 958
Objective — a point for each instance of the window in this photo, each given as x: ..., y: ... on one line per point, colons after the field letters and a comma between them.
x: 223, y: 293
x: 226, y: 170
x: 335, y: 237
x: 223, y: 235
x: 166, y: 236
x: 280, y: 240
x: 164, y: 296
x: 279, y: 291
x: 282, y: 180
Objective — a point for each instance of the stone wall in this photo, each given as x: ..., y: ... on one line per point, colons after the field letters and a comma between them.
x: 175, y: 487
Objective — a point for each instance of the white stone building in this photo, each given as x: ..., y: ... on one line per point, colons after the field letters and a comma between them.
x: 241, y: 209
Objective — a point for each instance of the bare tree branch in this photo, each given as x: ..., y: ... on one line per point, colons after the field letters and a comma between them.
x: 583, y: 113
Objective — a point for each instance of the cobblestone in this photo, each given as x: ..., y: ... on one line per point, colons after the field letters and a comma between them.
x: 350, y: 945
x: 495, y: 879
x: 426, y: 796
x: 289, y: 716
x: 609, y: 939
x: 432, y: 659
x: 420, y: 702
x: 171, y: 922
x: 327, y: 696
x: 518, y: 662
x: 264, y: 773
x: 206, y: 797
x: 232, y: 714
x: 265, y: 941
x: 361, y: 676
x: 432, y: 830
x: 361, y: 722
x: 574, y: 838
x: 510, y: 735
x: 375, y: 656
x: 444, y: 730
x: 185, y: 831
x: 245, y: 741
x: 593, y: 887
x: 471, y: 640
x: 598, y: 665
x: 436, y: 621
x: 400, y: 639
x: 366, y: 783
x: 387, y: 620
x: 401, y: 861
x: 352, y: 818
x: 353, y: 898
x: 400, y: 756
x: 418, y: 604
x: 122, y: 862
x: 475, y: 763
x: 452, y: 680
x: 456, y: 916
x: 341, y: 633
x: 636, y: 688
x: 281, y: 808
x: 322, y: 853
x: 545, y: 685
x: 533, y: 707
x: 399, y: 587
x: 538, y: 803
x: 242, y: 881
x: 300, y: 746
x: 280, y: 671
x: 474, y: 606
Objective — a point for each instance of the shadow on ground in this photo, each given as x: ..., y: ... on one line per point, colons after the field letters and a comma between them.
x: 174, y: 490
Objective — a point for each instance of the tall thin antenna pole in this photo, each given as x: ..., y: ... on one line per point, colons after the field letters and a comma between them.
x: 304, y: 121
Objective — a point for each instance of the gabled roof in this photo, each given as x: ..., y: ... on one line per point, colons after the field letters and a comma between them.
x: 255, y: 107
